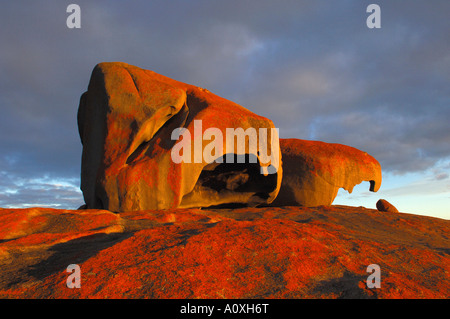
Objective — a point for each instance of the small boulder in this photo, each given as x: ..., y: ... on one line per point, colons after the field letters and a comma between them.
x: 384, y: 206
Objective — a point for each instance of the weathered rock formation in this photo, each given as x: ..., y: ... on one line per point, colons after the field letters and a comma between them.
x: 270, y: 252
x: 314, y: 171
x: 126, y: 123
x: 150, y: 142
x: 384, y: 206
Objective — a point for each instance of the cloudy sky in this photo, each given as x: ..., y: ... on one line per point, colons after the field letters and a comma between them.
x: 313, y: 67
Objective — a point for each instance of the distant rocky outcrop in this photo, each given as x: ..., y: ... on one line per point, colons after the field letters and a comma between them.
x: 314, y: 171
x: 384, y: 206
x: 270, y: 252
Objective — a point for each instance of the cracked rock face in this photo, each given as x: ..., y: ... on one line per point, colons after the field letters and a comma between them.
x: 127, y: 120
x: 313, y: 172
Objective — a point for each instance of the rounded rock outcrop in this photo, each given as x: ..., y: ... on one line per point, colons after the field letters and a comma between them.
x: 384, y: 206
x: 313, y: 172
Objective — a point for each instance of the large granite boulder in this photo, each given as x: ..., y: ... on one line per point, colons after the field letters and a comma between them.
x: 150, y: 142
x: 314, y: 171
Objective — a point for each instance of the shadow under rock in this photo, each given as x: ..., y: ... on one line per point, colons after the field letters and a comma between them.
x: 345, y: 287
x: 75, y: 251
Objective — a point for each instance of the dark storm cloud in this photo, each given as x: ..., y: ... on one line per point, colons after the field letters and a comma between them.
x: 313, y: 67
x: 384, y: 91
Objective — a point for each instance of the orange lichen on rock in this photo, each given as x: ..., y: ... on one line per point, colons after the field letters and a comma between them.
x: 313, y: 172
x: 270, y: 252
x: 126, y: 120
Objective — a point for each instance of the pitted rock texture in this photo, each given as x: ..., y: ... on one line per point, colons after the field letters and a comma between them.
x: 270, y: 252
x: 314, y: 171
x: 126, y: 120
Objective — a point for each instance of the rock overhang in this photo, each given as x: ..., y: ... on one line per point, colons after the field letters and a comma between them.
x: 126, y: 120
